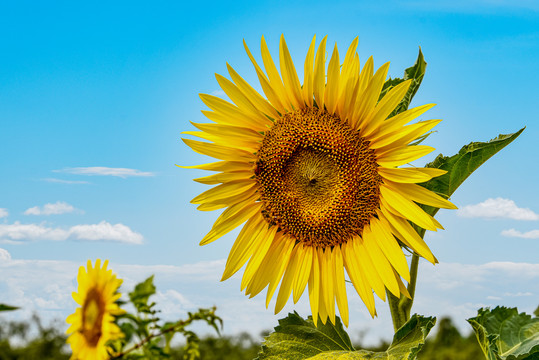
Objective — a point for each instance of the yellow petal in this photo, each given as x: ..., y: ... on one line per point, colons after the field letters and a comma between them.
x: 282, y: 261
x: 404, y: 135
x: 235, y: 115
x: 225, y: 177
x: 230, y: 200
x: 385, y: 107
x: 370, y: 96
x: 258, y: 101
x: 308, y: 75
x: 367, y: 267
x: 265, y: 83
x: 288, y: 279
x: 228, y: 131
x: 421, y: 195
x: 383, y: 267
x: 328, y: 287
x: 228, y: 221
x: 290, y: 77
x: 306, y: 260
x: 262, y: 276
x: 403, y: 154
x: 273, y: 75
x: 407, y: 208
x: 340, y: 288
x: 239, y: 143
x: 242, y: 101
x: 219, y: 151
x: 406, y: 233
x: 396, y: 122
x: 390, y: 248
x: 403, y: 175
x: 358, y: 278
x: 223, y: 191
x: 266, y: 238
x: 221, y: 166
x: 314, y: 285
x: 246, y: 243
x: 432, y: 172
x: 332, y: 88
x: 320, y: 75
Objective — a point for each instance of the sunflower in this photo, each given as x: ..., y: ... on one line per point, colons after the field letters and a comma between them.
x: 314, y: 172
x: 92, y: 324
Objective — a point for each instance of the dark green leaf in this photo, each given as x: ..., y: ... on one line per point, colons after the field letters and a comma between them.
x: 415, y: 73
x: 296, y: 338
x: 504, y: 334
x: 4, y: 307
x: 463, y: 164
x: 536, y: 312
x: 141, y: 293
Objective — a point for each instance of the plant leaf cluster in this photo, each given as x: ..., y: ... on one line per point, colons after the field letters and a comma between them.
x: 146, y: 336
x: 298, y: 339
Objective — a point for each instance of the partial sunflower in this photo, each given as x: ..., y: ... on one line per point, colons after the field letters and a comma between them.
x: 92, y: 324
x: 314, y: 172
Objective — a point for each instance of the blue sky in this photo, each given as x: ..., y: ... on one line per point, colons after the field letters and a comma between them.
x: 88, y: 89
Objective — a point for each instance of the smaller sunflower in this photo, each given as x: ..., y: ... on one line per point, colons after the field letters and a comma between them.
x: 92, y: 324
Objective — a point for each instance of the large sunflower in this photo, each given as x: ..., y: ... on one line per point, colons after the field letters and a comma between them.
x: 92, y: 324
x: 314, y: 172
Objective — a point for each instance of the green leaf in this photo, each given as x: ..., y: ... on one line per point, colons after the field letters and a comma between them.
x: 504, y: 334
x: 4, y: 307
x: 140, y: 295
x: 298, y: 339
x: 416, y: 73
x: 463, y: 164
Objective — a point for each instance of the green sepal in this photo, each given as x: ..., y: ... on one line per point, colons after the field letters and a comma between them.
x: 299, y: 339
x: 504, y: 334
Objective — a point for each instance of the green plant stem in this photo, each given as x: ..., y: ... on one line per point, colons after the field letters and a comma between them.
x: 401, y: 307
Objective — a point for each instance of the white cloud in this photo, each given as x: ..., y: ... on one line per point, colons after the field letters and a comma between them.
x: 104, y: 231
x: 4, y: 255
x: 62, y: 181
x: 498, y: 208
x: 183, y: 288
x: 3, y: 213
x: 533, y: 234
x: 105, y: 171
x: 57, y: 208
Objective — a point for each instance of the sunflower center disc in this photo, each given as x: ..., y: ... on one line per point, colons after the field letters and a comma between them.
x: 92, y: 317
x: 318, y: 178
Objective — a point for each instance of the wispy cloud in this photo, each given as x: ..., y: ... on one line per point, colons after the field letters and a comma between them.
x: 4, y: 255
x: 533, y: 234
x: 106, y: 171
x: 62, y: 181
x: 57, y: 208
x: 498, y: 208
x: 104, y: 231
x: 3, y: 212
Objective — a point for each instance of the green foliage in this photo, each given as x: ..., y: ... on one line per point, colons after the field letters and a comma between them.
x: 503, y: 334
x: 460, y: 166
x: 4, y: 307
x: 416, y: 73
x: 449, y: 344
x: 296, y: 338
x: 47, y: 344
x: 146, y: 337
